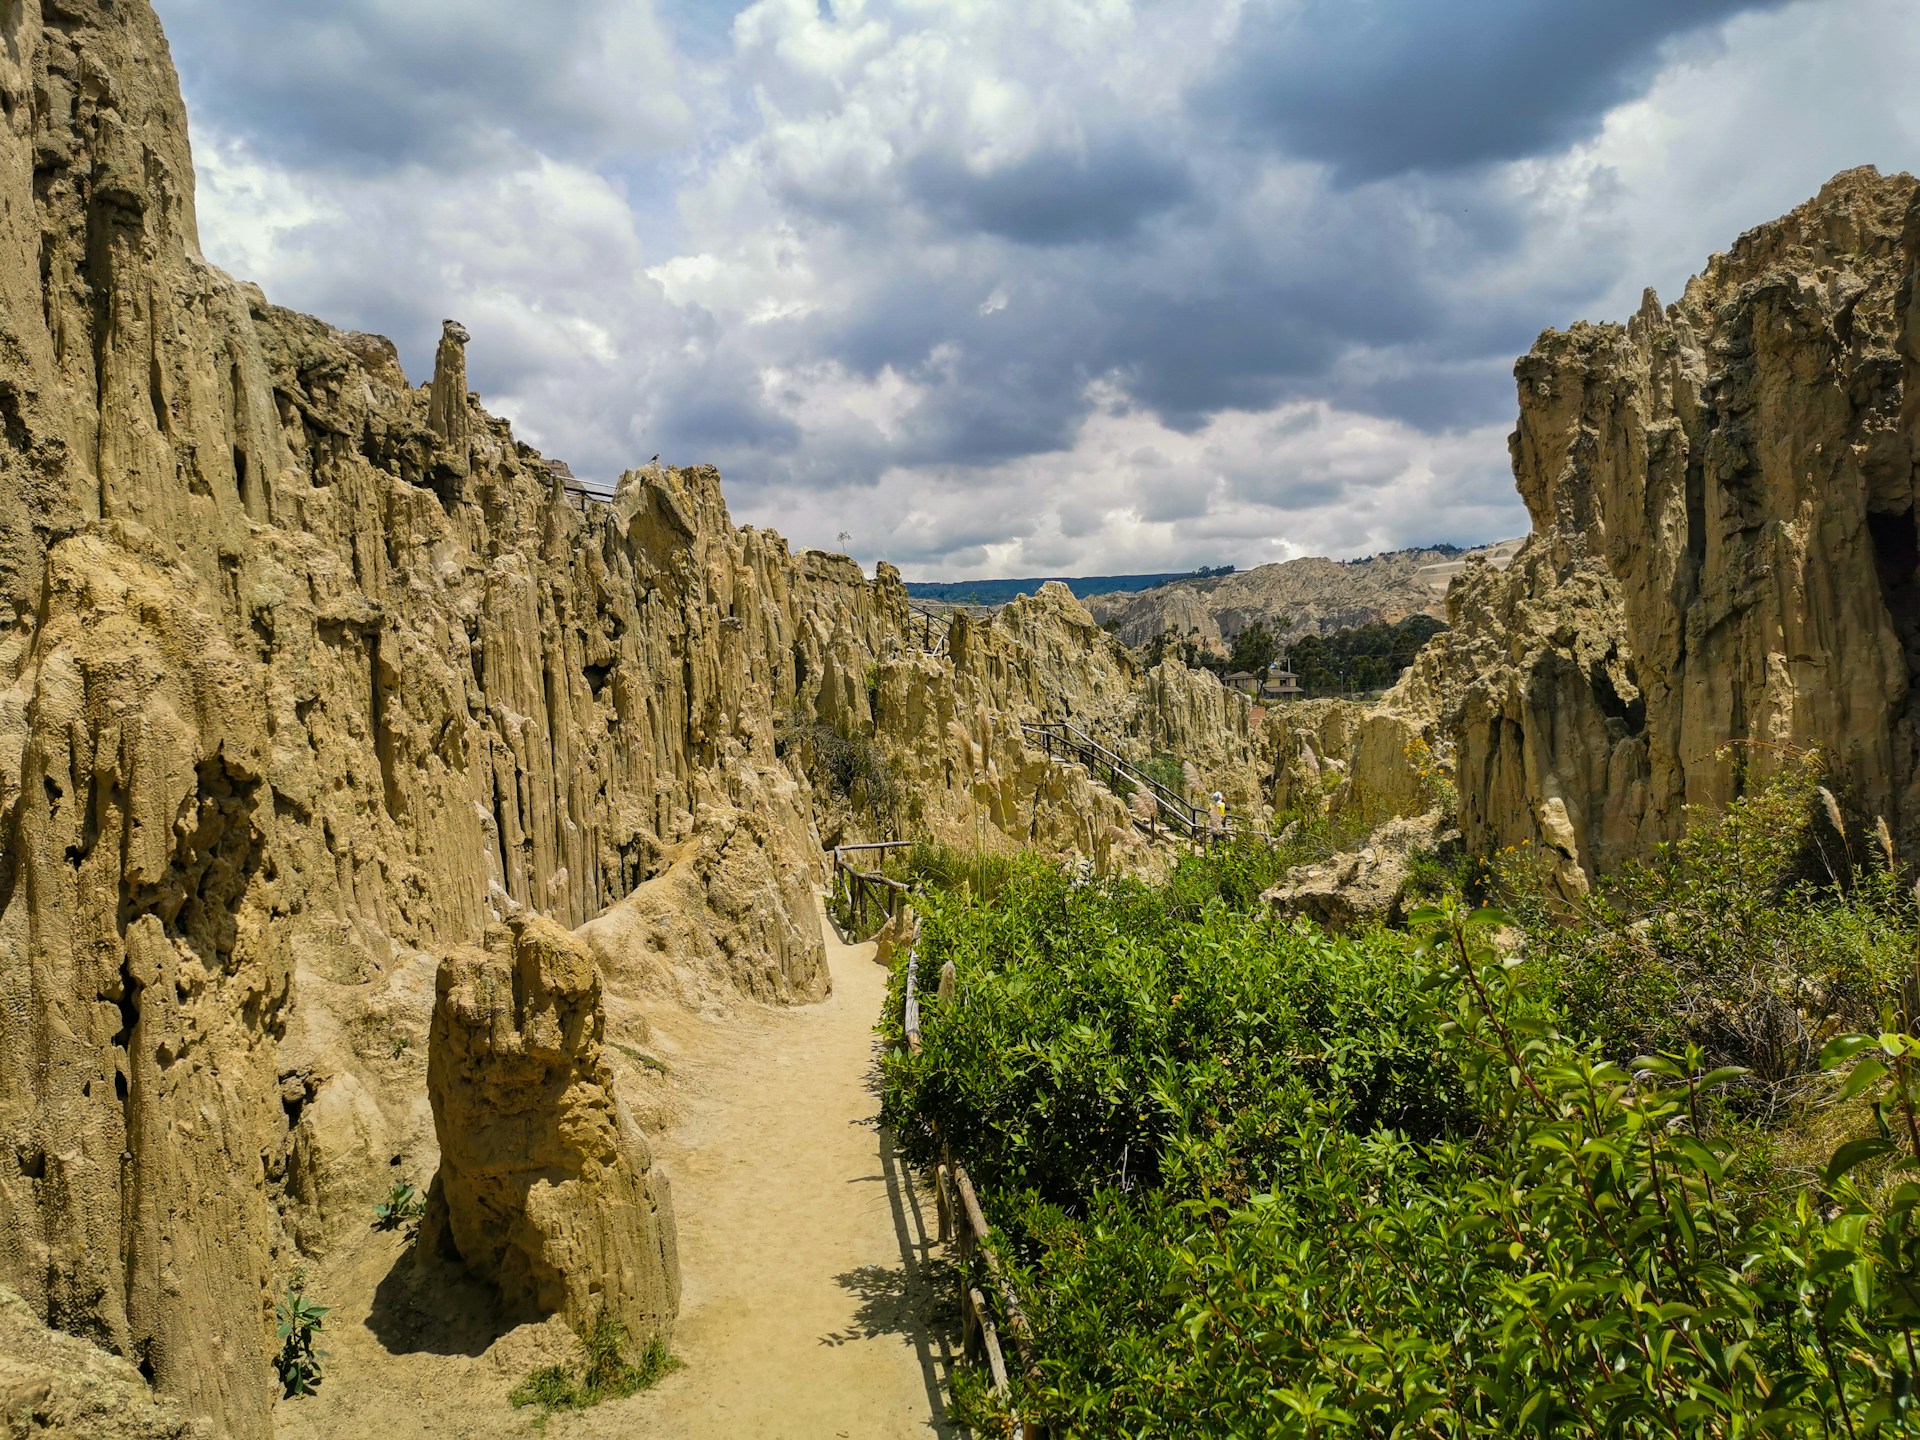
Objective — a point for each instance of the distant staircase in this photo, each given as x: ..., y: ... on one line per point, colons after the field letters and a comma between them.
x: 1065, y: 744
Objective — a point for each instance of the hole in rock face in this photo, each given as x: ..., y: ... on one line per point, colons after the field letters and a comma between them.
x: 597, y: 677
x: 1896, y: 546
x: 1896, y: 558
x: 240, y: 480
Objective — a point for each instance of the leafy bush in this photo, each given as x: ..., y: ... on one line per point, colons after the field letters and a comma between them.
x: 1112, y: 1034
x: 1253, y: 1180
x: 300, y: 1361
x: 1166, y: 771
x: 602, y: 1373
x: 1759, y: 935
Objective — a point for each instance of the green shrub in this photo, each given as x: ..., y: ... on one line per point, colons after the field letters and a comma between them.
x: 602, y: 1373
x: 1757, y: 936
x: 1253, y: 1180
x: 1116, y: 1034
x: 402, y: 1205
x: 300, y: 1361
x: 1167, y: 772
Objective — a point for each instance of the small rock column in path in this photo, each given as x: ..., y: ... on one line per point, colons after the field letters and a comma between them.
x: 546, y: 1186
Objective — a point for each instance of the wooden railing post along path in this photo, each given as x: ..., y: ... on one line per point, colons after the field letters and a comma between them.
x: 963, y: 1223
x: 864, y: 887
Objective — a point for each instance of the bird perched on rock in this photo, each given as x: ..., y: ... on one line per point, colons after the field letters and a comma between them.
x: 654, y: 461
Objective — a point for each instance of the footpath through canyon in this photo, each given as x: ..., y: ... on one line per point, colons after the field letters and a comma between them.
x: 815, y: 1302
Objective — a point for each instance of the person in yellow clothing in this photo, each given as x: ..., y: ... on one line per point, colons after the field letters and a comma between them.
x: 1218, y: 812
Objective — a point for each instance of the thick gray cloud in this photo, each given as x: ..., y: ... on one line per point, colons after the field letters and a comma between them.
x: 1076, y: 284
x: 1054, y: 196
x: 369, y: 84
x: 1380, y: 87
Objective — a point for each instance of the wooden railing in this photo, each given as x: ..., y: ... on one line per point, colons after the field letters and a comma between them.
x: 963, y: 1224
x: 867, y: 890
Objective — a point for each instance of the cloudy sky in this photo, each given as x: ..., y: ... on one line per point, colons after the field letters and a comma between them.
x: 1019, y: 287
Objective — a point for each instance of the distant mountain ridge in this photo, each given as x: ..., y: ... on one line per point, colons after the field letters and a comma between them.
x: 999, y: 592
x: 1309, y: 596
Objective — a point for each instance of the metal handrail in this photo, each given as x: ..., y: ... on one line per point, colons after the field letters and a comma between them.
x: 1092, y: 753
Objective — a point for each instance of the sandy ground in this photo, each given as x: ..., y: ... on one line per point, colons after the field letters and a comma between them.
x: 814, y: 1306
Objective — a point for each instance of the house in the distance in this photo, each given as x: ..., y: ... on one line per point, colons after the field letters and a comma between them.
x: 1280, y: 683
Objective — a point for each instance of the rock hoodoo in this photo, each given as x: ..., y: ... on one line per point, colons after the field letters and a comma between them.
x: 447, y: 395
x: 546, y: 1186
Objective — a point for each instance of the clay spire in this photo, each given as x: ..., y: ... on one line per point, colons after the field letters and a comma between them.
x: 447, y: 401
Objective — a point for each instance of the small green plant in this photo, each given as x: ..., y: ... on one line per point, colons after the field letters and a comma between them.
x: 1166, y: 771
x: 602, y: 1373
x: 402, y: 1042
x: 641, y: 1057
x: 403, y: 1204
x: 300, y: 1361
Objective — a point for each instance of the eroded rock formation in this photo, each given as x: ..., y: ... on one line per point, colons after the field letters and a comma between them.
x: 307, y: 672
x: 1723, y: 573
x: 546, y: 1186
x: 1723, y: 566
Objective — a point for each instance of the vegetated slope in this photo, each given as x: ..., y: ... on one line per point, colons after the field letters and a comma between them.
x: 1307, y: 596
x: 1252, y: 1179
x: 999, y: 592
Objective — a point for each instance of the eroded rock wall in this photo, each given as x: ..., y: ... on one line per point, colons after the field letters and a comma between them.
x: 303, y: 670
x: 306, y: 672
x: 1723, y: 566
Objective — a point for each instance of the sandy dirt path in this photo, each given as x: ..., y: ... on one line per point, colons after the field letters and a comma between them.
x: 814, y: 1305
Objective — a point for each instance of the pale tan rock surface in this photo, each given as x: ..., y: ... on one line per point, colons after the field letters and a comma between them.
x: 306, y: 673
x: 57, y: 1385
x: 1723, y: 495
x: 1348, y: 892
x: 546, y: 1187
x: 1724, y: 571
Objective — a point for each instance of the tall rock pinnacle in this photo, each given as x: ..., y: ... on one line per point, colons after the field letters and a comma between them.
x: 447, y: 401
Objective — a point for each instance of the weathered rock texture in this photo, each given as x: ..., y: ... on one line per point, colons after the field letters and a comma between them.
x: 1347, y: 892
x: 306, y: 671
x: 546, y: 1186
x: 56, y: 1385
x: 1723, y: 565
x: 1724, y: 570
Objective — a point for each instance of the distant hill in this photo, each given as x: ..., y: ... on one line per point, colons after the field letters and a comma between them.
x: 999, y: 592
x: 1311, y: 596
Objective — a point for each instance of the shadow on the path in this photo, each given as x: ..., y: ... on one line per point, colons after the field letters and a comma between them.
x: 427, y: 1303
x: 918, y: 1299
